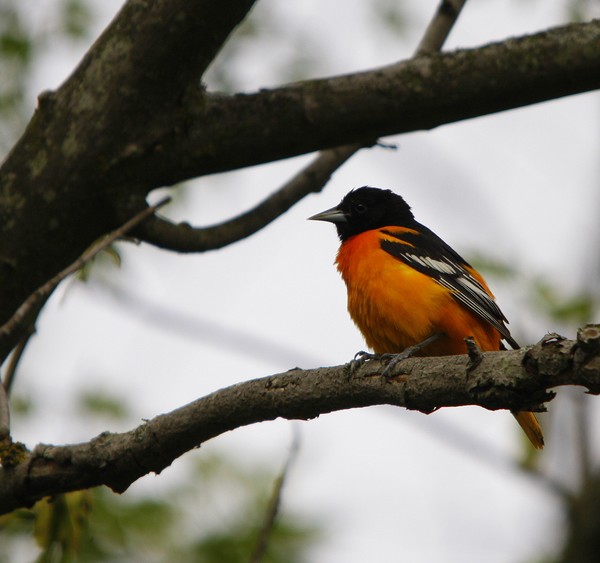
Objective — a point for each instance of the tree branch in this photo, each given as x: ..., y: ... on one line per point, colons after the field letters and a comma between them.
x: 13, y: 362
x: 184, y: 238
x: 440, y: 26
x: 421, y: 93
x: 514, y: 380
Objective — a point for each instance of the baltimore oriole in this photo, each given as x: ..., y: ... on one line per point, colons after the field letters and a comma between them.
x: 406, y: 285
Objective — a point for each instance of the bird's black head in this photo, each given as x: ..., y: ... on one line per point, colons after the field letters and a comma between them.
x: 365, y: 209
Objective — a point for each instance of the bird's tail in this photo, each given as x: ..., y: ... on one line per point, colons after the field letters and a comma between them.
x: 531, y: 427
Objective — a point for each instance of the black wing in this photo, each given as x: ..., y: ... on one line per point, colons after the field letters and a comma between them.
x: 427, y: 253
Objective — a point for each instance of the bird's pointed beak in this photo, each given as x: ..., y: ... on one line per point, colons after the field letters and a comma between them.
x: 333, y: 215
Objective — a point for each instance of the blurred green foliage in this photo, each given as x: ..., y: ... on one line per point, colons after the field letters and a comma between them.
x: 582, y: 10
x: 16, y: 50
x: 392, y: 16
x: 76, y: 18
x: 101, y: 403
x: 572, y: 309
x: 564, y: 311
x: 214, y: 515
x: 97, y: 525
x: 23, y: 40
x: 106, y: 260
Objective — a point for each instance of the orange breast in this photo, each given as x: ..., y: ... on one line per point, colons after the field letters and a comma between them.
x: 394, y: 306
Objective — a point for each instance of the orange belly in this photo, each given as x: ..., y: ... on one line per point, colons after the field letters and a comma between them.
x: 394, y: 306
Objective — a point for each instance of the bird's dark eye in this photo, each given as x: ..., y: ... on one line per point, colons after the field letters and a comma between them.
x: 360, y: 208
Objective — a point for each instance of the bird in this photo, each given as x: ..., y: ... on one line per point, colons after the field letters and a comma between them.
x: 409, y: 290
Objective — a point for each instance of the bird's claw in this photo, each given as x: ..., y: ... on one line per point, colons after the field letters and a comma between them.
x: 407, y: 353
x: 395, y: 359
x: 359, y: 359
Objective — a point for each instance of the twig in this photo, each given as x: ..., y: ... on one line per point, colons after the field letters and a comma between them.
x: 439, y: 27
x: 4, y: 415
x: 266, y: 530
x: 185, y: 238
x: 5, y: 387
x: 15, y: 358
x: 21, y: 315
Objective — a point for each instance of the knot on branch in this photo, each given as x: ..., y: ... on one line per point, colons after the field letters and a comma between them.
x: 588, y: 338
x: 550, y: 357
x: 586, y: 357
x: 555, y: 360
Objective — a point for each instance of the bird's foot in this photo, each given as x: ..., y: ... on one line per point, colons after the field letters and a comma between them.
x: 360, y: 358
x: 409, y: 352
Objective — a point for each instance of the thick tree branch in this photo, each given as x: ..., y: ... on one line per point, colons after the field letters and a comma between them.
x: 515, y: 380
x: 421, y: 93
x: 64, y: 183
